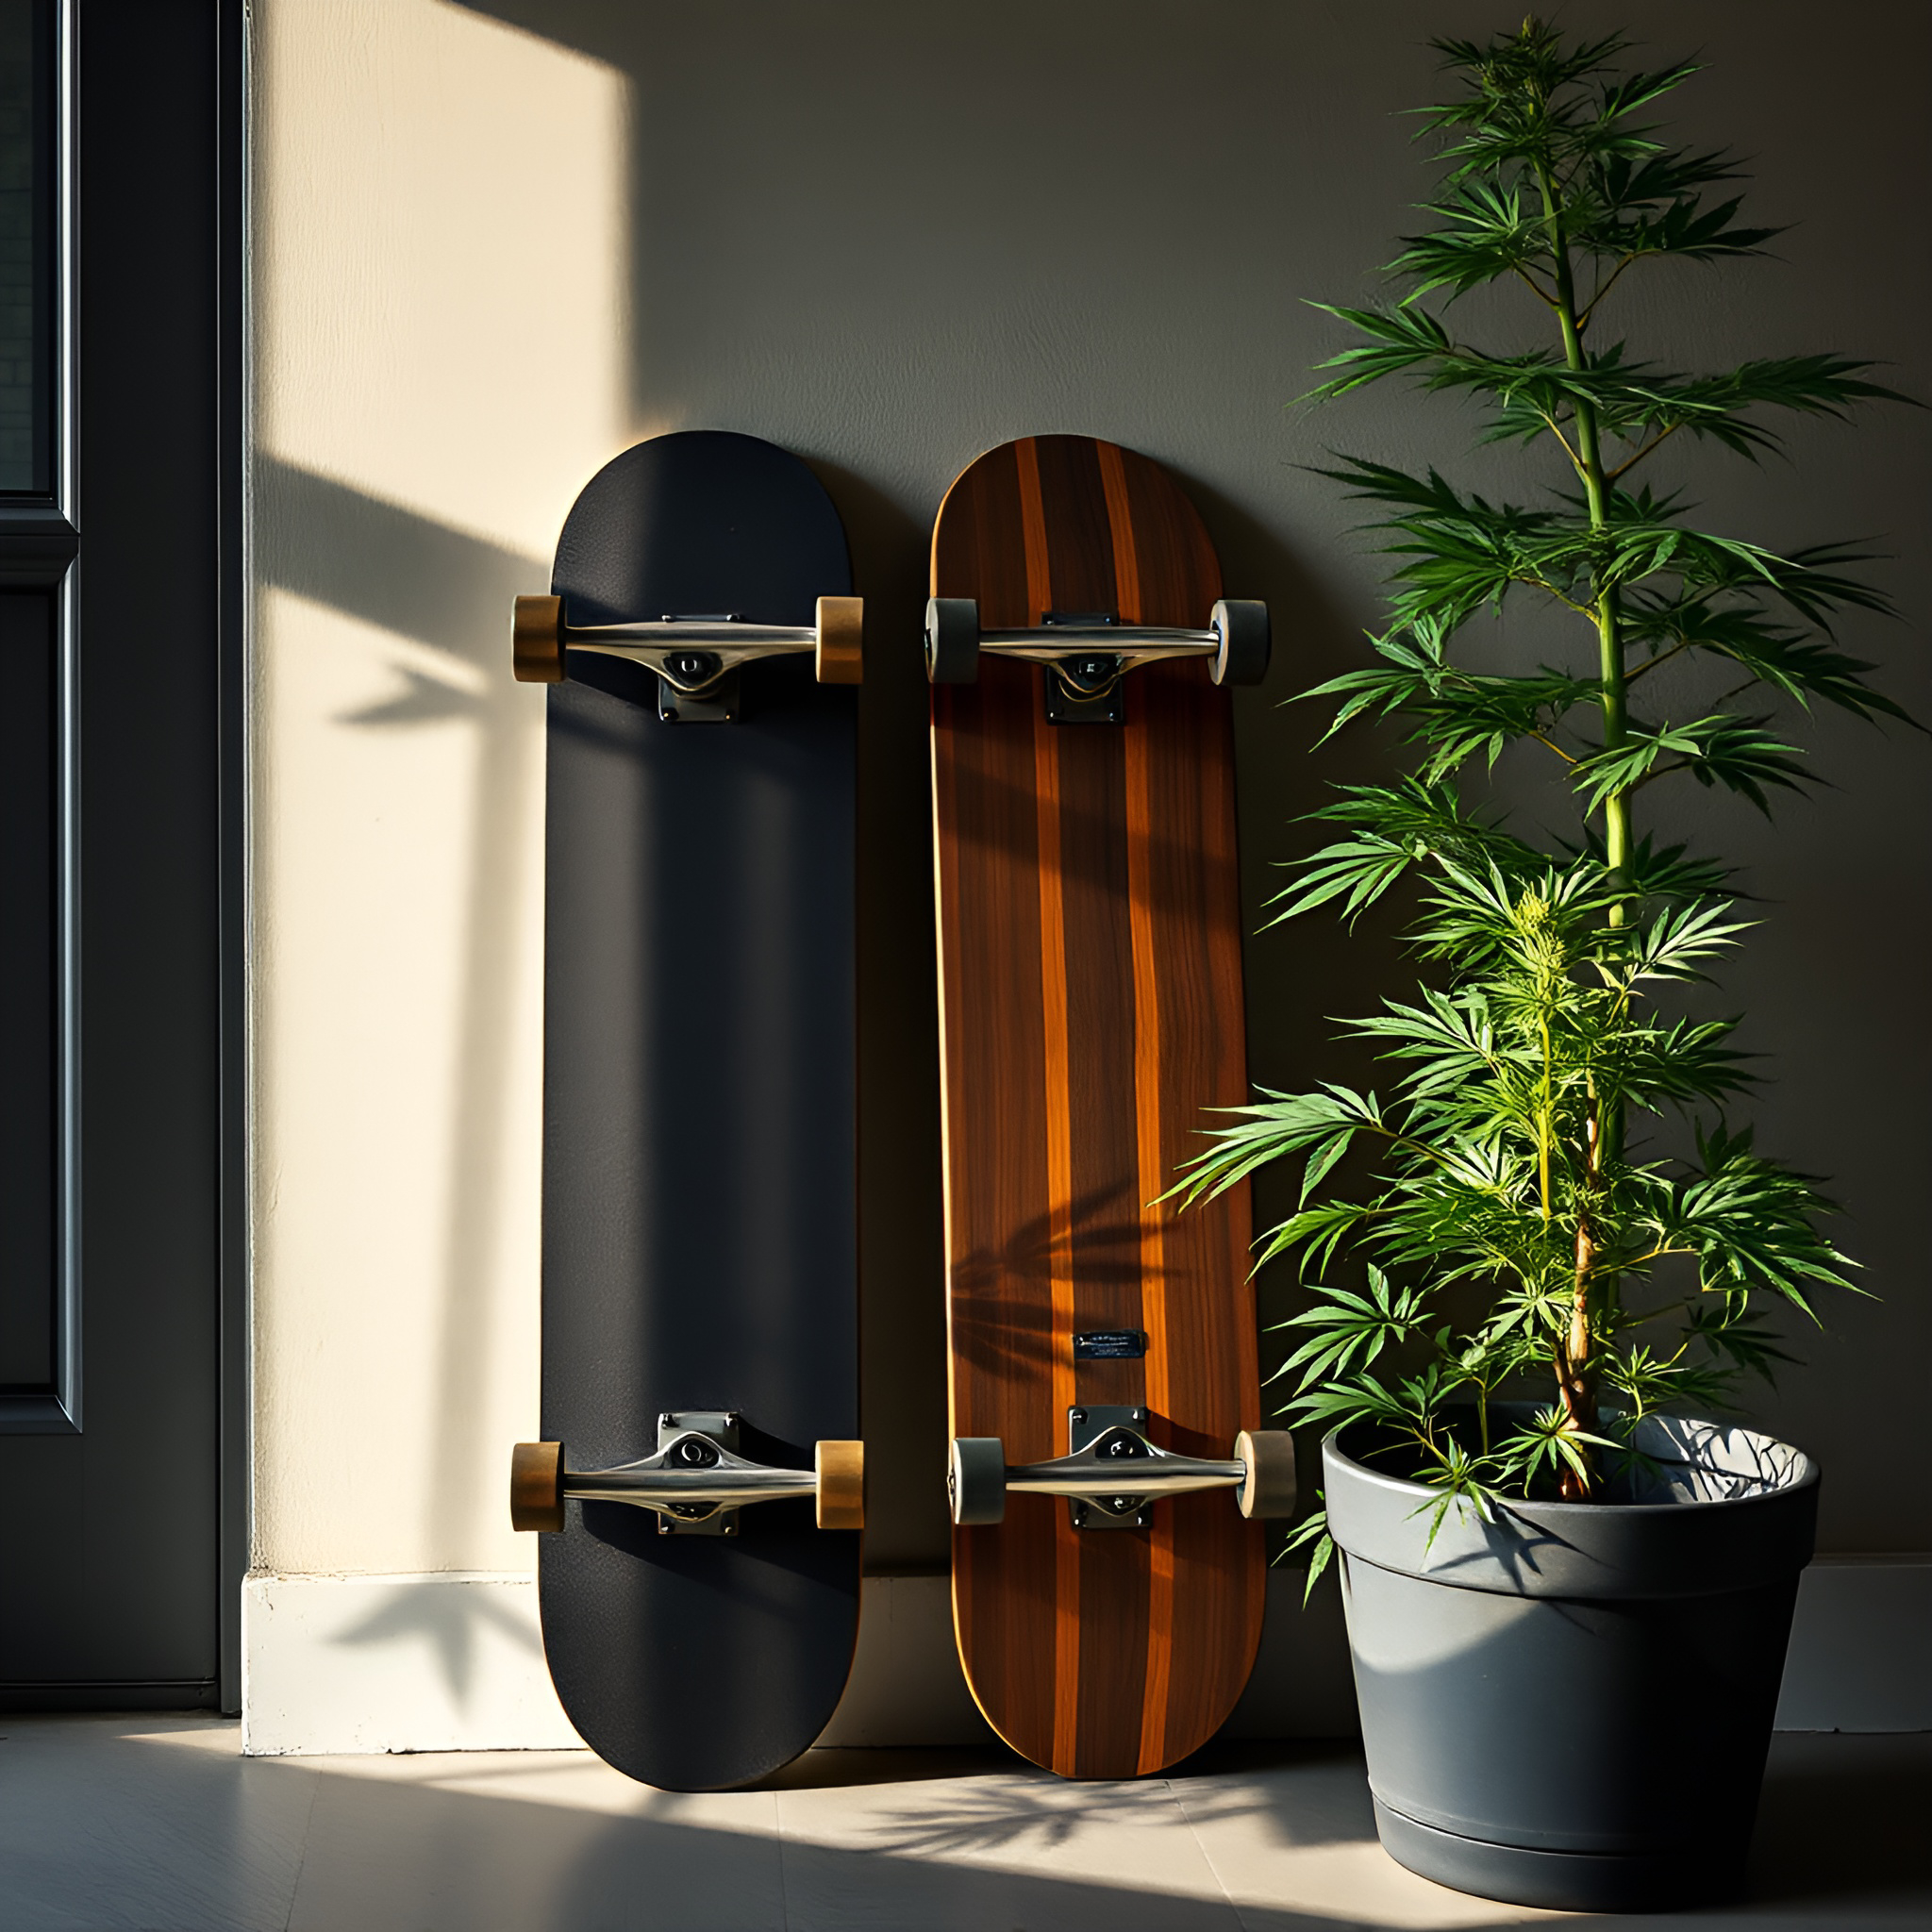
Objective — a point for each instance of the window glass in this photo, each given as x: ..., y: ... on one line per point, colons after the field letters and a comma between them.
x: 26, y: 228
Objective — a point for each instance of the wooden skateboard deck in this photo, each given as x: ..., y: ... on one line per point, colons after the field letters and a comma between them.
x: 699, y: 1117
x: 1090, y: 1001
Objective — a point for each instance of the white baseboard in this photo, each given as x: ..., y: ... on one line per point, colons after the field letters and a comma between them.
x: 454, y: 1662
x: 447, y: 1661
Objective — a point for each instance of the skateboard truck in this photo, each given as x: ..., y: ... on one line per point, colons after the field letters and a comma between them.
x: 696, y: 658
x: 1112, y: 1474
x: 1087, y: 653
x: 695, y: 1481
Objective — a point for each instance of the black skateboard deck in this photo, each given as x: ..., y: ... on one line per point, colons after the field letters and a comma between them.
x: 700, y: 1255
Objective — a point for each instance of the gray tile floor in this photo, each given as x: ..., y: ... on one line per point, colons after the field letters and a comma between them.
x: 159, y: 1822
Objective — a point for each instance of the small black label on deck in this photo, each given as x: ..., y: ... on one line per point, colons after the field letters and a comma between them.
x: 1110, y: 1345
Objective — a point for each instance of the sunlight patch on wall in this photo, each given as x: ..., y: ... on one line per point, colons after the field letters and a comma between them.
x: 441, y: 259
x: 440, y: 274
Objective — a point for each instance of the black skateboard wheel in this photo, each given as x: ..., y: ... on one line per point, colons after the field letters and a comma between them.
x: 977, y: 1479
x: 1269, y: 1486
x: 952, y: 639
x: 1242, y: 627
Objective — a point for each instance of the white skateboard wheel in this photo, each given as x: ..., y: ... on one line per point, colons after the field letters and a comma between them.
x: 1269, y: 1487
x: 1242, y: 627
x: 841, y: 1468
x: 977, y: 1479
x: 840, y: 655
x: 952, y: 639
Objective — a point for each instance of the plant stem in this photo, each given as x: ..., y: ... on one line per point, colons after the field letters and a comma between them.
x: 1576, y: 1370
x: 1575, y: 1364
x: 1589, y: 460
x: 1546, y: 1120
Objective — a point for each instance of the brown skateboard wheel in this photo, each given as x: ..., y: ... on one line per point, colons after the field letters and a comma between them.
x: 840, y: 658
x: 536, y: 641
x: 1269, y: 1487
x: 841, y: 1468
x: 536, y: 1485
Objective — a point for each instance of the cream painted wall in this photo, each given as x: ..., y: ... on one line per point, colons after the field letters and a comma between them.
x: 432, y: 387
x: 887, y: 235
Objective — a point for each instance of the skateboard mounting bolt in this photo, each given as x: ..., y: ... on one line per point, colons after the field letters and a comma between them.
x: 1076, y: 1415
x: 1139, y: 1415
x: 667, y: 1420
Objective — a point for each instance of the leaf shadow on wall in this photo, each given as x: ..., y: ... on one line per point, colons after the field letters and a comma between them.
x: 392, y: 567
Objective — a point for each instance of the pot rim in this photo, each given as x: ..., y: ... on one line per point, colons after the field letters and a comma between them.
x: 1804, y: 1475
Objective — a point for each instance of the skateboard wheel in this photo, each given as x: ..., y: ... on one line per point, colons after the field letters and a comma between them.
x: 1269, y: 1486
x: 536, y: 1487
x: 536, y: 641
x: 977, y: 1479
x: 952, y: 639
x: 1242, y: 627
x: 840, y: 658
x: 841, y: 1468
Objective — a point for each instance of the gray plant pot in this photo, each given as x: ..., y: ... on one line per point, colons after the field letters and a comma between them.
x: 1570, y: 1706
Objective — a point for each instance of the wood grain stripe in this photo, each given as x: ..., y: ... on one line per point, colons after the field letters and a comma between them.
x: 1152, y: 1180
x: 1060, y: 1151
x: 1033, y: 529
x: 1151, y: 1174
x: 1120, y: 522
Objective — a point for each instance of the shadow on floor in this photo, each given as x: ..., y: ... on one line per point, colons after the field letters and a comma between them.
x: 158, y: 1823
x: 1845, y: 1818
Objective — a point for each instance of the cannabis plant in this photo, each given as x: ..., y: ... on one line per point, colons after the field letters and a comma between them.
x: 1565, y: 1208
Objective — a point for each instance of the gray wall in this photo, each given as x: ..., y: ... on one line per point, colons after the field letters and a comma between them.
x: 892, y: 235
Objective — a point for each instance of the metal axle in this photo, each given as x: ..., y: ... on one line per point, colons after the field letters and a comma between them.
x: 694, y: 1481
x: 1105, y: 1469
x: 1113, y: 1473
x: 1130, y: 644
x: 693, y: 653
x: 681, y: 1473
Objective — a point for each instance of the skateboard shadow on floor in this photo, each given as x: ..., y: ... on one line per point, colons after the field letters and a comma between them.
x: 841, y: 1767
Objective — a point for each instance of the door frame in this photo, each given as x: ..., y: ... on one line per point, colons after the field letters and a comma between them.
x: 40, y: 540
x: 233, y: 655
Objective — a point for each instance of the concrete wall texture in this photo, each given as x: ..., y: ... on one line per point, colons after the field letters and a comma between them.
x: 498, y: 243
